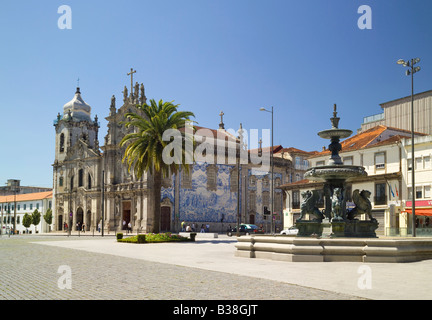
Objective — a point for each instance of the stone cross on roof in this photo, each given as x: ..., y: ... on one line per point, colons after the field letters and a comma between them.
x: 221, y: 124
x: 131, y: 74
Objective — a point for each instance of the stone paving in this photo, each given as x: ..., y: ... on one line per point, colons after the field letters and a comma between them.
x: 29, y: 271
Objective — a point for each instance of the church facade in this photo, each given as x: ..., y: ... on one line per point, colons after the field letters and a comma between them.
x: 87, y: 175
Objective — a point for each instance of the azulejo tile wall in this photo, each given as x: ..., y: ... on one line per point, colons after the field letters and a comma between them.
x: 202, y: 204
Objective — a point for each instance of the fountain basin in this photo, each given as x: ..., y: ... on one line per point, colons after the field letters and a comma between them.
x: 335, y: 172
x: 335, y: 133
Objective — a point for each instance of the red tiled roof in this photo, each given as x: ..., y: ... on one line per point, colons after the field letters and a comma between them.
x: 369, y: 138
x: 27, y: 197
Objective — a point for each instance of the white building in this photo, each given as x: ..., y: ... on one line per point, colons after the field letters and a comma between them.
x: 25, y: 203
x: 423, y: 183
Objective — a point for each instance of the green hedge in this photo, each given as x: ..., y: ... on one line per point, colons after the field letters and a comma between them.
x: 152, y: 237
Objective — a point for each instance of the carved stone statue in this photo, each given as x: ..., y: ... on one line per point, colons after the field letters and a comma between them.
x: 363, y: 204
x: 308, y: 205
x: 136, y: 92
x: 125, y: 94
x: 113, y: 107
x: 143, y: 97
x: 337, y: 204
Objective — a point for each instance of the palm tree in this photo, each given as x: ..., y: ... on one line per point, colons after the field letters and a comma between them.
x: 145, y: 146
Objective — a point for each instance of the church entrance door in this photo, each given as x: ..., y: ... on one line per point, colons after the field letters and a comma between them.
x: 79, y: 218
x: 60, y: 223
x: 165, y: 218
x: 126, y: 214
x: 252, y: 219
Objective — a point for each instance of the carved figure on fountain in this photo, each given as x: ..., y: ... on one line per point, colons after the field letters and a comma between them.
x: 308, y: 206
x: 363, y: 204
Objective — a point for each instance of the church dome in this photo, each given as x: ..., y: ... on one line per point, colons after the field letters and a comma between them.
x: 77, y: 108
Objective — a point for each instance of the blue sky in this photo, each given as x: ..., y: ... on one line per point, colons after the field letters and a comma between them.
x: 300, y: 57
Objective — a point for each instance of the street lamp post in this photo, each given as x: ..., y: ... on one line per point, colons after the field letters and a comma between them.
x: 411, y: 72
x: 272, y: 170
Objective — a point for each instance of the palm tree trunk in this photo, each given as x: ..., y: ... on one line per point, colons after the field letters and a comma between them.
x: 157, y: 201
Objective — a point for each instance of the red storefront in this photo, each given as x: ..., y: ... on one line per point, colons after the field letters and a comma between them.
x: 423, y: 212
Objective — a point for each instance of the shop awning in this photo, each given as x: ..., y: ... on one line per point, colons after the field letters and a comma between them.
x: 421, y: 211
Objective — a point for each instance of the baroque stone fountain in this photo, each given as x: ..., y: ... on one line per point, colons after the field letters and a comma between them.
x: 335, y: 220
x: 334, y: 233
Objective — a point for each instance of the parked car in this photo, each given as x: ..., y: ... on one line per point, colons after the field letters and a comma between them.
x: 245, y: 229
x: 291, y: 230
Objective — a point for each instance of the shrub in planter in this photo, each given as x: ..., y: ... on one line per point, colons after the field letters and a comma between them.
x: 119, y: 235
x: 141, y: 238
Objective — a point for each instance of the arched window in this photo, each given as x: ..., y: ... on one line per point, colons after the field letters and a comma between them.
x: 80, y: 177
x: 72, y: 182
x: 62, y: 138
x: 89, y: 184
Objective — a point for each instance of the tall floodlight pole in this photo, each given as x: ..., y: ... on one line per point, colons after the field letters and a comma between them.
x: 411, y: 72
x: 272, y: 225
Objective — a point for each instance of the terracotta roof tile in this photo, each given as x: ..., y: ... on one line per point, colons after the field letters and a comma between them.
x: 27, y: 197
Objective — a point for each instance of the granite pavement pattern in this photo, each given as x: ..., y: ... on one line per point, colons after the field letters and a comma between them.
x: 29, y: 271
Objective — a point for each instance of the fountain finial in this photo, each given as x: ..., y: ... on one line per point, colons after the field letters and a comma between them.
x: 335, y: 119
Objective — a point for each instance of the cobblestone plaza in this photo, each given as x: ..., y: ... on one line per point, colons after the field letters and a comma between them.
x: 36, y: 268
x: 30, y: 271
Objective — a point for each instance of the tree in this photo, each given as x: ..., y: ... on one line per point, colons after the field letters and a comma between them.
x: 36, y: 218
x: 27, y: 220
x: 144, y: 146
x: 48, y: 216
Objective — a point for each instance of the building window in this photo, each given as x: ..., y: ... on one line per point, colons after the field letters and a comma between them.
x: 61, y: 182
x: 427, y: 191
x: 252, y: 201
x: 296, y: 199
x: 212, y: 177
x: 31, y: 206
x: 80, y: 177
x: 418, y: 163
x: 348, y: 161
x: 62, y: 138
x: 89, y: 181
x: 380, y: 160
x: 419, y: 193
x: 426, y: 162
x: 186, y: 178
x: 233, y: 180
x: 380, y: 194
x: 37, y: 206
x: 25, y: 206
x: 409, y: 163
x: 265, y: 198
x: 71, y: 182
x: 18, y: 207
